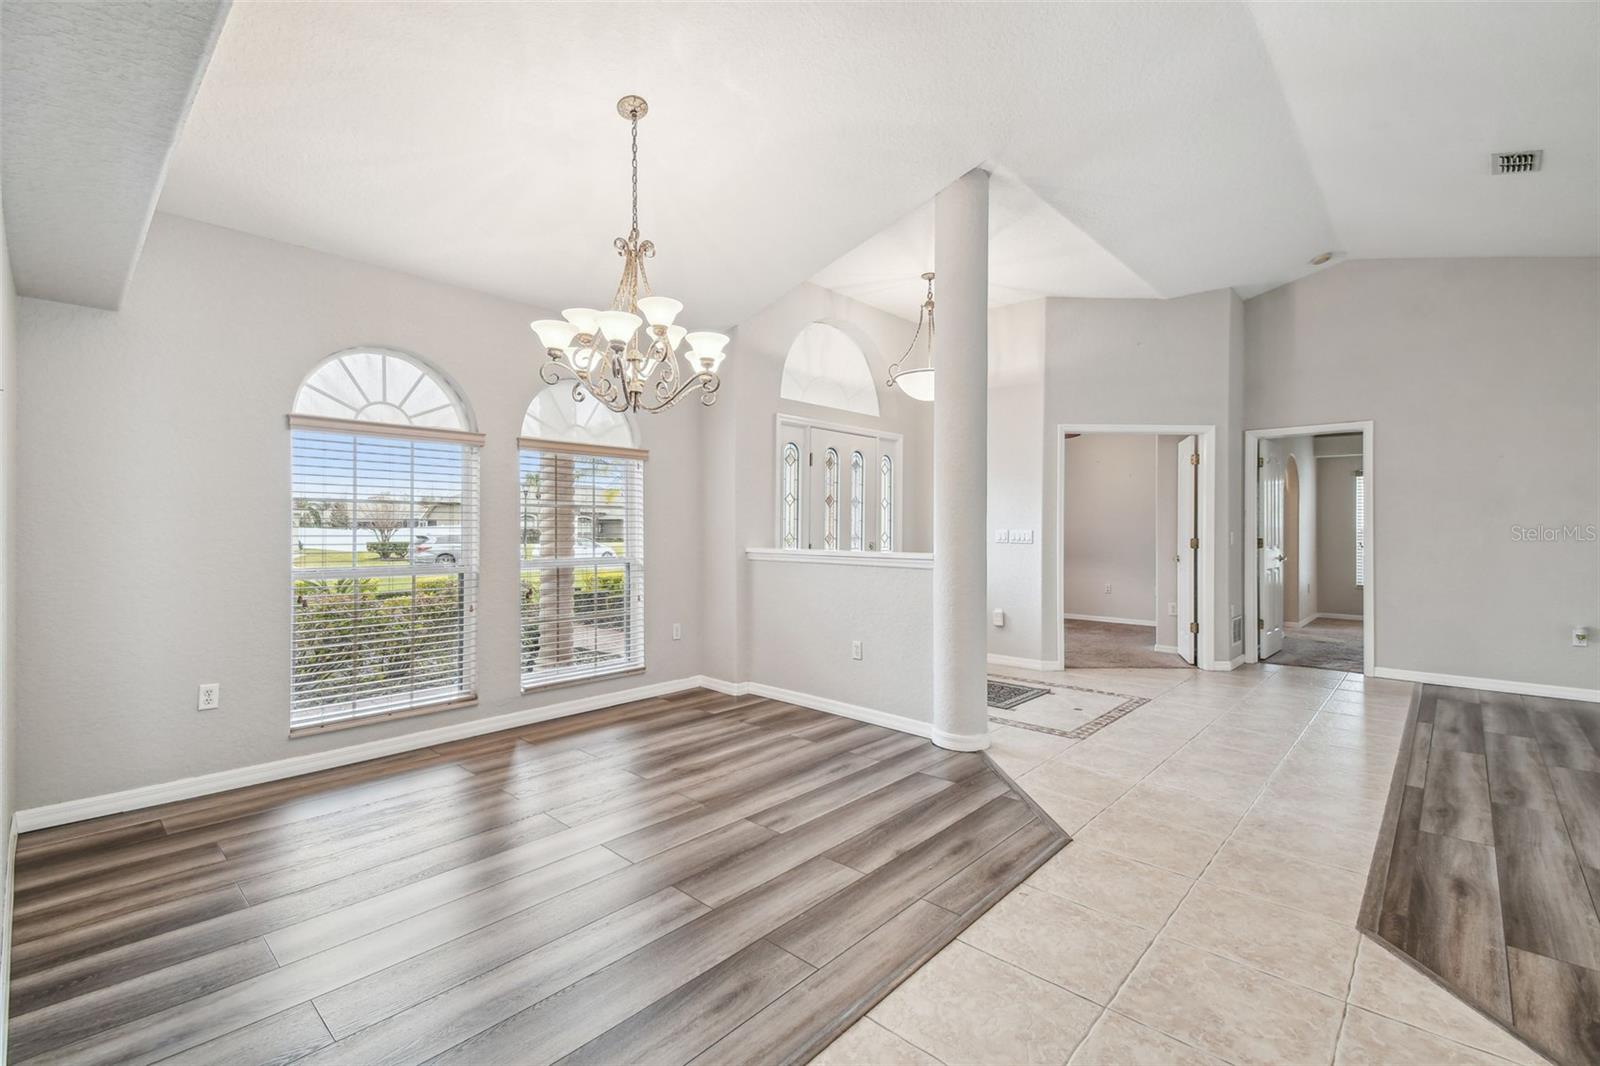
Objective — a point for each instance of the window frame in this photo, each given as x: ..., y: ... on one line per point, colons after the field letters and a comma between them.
x: 467, y: 566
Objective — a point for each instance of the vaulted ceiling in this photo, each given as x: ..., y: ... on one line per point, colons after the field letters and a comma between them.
x: 1139, y: 150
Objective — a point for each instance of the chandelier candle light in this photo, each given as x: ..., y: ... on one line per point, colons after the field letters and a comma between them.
x: 602, y: 352
x: 917, y: 382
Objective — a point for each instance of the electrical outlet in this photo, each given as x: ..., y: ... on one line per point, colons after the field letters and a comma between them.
x: 1172, y: 610
x: 1108, y: 590
x: 1580, y: 637
x: 210, y: 696
x: 855, y: 649
x: 677, y: 631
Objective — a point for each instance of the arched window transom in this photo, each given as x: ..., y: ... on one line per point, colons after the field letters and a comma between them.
x: 376, y: 385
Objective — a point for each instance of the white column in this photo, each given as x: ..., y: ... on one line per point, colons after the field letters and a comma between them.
x: 961, y: 458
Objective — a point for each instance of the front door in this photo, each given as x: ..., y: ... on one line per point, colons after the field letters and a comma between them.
x: 1269, y: 546
x: 844, y: 479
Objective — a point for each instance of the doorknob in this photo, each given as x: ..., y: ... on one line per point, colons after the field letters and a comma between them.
x: 1280, y: 557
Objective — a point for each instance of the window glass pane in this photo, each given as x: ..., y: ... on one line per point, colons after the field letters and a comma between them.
x: 380, y: 386
x: 384, y: 559
x: 858, y: 502
x: 830, y: 500
x: 582, y: 581
x: 886, y: 504
x: 790, y: 495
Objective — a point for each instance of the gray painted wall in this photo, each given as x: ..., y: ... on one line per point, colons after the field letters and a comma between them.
x: 1338, y: 592
x: 1109, y: 534
x: 738, y: 465
x: 1020, y: 453
x: 1482, y: 378
x: 1156, y: 362
x: 156, y: 531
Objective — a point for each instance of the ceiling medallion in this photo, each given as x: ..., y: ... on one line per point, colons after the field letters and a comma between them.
x: 603, y: 352
x: 917, y: 382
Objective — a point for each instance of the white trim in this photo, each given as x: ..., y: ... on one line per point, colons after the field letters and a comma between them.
x: 1490, y: 684
x: 898, y: 722
x: 1252, y: 579
x: 5, y: 944
x: 1020, y: 663
x: 79, y: 810
x: 892, y: 560
x: 960, y: 741
x: 1170, y: 649
x: 1148, y: 623
x: 1204, y: 610
x: 1336, y: 617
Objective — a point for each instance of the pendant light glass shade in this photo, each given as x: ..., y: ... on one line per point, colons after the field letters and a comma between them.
x: 659, y: 310
x: 618, y: 326
x: 917, y: 384
x: 554, y: 333
x: 585, y: 318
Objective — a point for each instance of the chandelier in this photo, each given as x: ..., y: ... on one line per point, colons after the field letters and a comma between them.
x: 917, y: 382
x: 625, y: 356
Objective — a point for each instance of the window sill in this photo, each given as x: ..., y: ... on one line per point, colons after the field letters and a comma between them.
x: 892, y: 560
x: 383, y: 716
x: 568, y: 682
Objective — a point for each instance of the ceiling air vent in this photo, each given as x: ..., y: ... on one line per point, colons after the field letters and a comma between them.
x: 1518, y: 162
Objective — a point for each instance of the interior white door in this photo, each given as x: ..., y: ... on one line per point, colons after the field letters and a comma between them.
x: 843, y: 473
x: 1188, y: 473
x: 1270, y: 470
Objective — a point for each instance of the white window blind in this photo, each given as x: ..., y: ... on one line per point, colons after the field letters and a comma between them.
x: 1361, y: 530
x: 384, y: 570
x: 582, y: 537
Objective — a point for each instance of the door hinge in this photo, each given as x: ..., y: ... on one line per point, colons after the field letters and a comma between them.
x: 1261, y: 461
x: 811, y: 458
x: 1194, y: 627
x: 1194, y: 458
x: 1194, y: 542
x: 1261, y: 623
x: 1260, y: 542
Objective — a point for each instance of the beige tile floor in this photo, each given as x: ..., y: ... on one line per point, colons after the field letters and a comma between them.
x: 1205, y: 911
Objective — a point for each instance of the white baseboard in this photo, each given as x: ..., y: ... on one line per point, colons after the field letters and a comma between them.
x: 1490, y: 684
x: 1307, y: 620
x: 5, y: 944
x: 1023, y: 664
x: 897, y: 722
x: 223, y: 780
x: 1149, y: 622
x: 1335, y: 617
x: 1225, y: 664
x: 1170, y: 649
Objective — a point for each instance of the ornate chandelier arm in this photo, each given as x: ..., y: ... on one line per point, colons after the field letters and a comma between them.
x: 707, y: 383
x: 925, y: 309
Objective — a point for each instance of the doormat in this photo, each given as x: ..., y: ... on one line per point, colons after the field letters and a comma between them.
x: 1003, y: 695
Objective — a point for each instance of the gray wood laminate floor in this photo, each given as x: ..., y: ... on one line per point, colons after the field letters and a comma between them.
x: 1488, y: 872
x: 695, y: 878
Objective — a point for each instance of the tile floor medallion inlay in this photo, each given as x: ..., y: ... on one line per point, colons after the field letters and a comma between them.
x: 700, y: 877
x: 1206, y: 911
x: 1066, y: 723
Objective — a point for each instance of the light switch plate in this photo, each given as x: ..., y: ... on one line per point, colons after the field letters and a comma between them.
x: 1002, y: 536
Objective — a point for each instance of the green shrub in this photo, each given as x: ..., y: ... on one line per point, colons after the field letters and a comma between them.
x: 388, y: 549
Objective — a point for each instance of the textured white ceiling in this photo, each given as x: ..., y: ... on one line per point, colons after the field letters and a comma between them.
x: 1033, y: 251
x: 1169, y: 148
x: 95, y: 94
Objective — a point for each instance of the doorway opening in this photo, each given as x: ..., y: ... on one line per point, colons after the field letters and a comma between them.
x: 1308, y: 498
x: 1132, y: 582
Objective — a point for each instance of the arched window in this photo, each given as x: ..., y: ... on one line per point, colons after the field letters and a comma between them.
x: 581, y: 485
x: 886, y: 503
x: 384, y: 546
x: 830, y: 500
x: 858, y: 502
x: 790, y: 502
x: 825, y: 367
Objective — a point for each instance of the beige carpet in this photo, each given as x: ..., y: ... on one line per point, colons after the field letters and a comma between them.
x: 1104, y: 644
x: 1325, y: 644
